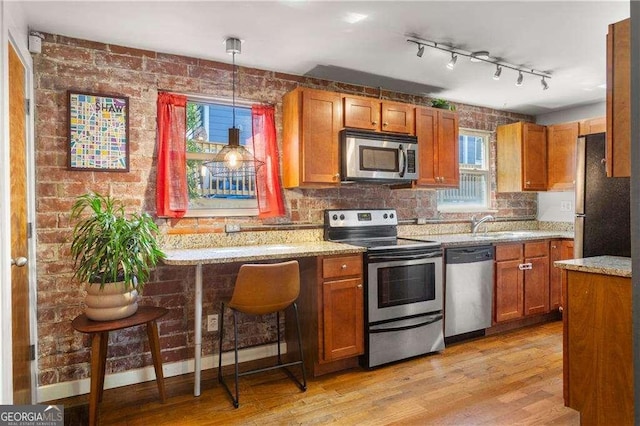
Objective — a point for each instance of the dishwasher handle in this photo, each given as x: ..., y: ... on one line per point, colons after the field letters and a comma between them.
x: 471, y: 254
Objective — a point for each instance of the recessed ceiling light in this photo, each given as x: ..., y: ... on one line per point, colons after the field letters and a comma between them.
x: 354, y: 18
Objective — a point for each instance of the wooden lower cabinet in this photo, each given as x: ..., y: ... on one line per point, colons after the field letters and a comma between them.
x: 331, y: 306
x: 598, y: 353
x: 521, y: 280
x: 558, y: 250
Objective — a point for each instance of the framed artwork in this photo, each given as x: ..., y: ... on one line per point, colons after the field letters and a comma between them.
x: 98, y: 132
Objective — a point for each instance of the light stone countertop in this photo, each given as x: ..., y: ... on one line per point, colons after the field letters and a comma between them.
x: 256, y: 252
x: 605, y: 265
x: 459, y: 240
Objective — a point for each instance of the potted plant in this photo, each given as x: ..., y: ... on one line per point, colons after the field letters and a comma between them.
x: 113, y: 254
x: 442, y: 104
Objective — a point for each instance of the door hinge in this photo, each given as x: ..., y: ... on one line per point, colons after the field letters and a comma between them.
x: 27, y: 105
x: 29, y: 230
x: 32, y: 352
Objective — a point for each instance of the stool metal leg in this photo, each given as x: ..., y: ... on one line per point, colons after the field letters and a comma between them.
x: 221, y: 335
x: 304, y: 374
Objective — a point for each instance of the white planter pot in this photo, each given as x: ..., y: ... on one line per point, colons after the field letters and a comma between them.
x: 111, y: 303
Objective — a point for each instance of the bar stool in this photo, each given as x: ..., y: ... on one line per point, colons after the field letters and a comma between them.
x: 99, y: 331
x: 263, y: 289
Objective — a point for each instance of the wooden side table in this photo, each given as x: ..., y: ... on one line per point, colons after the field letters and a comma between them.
x: 100, y: 337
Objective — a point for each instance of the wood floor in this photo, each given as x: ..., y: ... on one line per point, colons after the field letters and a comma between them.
x: 508, y: 379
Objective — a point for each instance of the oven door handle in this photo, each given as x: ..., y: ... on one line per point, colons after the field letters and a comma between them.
x: 392, y: 257
x: 382, y: 329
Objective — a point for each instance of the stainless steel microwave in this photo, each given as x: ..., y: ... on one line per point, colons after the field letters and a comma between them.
x: 383, y: 157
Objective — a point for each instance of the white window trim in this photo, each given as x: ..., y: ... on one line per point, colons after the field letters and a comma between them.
x: 472, y: 208
x: 221, y: 212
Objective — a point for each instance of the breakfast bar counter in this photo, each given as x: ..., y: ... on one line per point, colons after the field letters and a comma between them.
x: 249, y: 253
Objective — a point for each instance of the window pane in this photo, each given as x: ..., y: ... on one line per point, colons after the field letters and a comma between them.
x: 207, y: 133
x: 472, y: 191
x: 472, y: 151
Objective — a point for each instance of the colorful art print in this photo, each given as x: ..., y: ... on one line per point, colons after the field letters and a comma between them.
x: 98, y: 132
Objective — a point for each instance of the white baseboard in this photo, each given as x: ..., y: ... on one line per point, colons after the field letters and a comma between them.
x: 140, y: 375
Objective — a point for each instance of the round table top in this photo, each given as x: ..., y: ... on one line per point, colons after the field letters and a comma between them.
x: 143, y: 315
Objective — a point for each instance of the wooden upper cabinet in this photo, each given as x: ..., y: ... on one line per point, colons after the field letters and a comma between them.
x: 619, y: 100
x: 312, y: 120
x: 381, y: 116
x: 592, y: 125
x: 437, y: 132
x: 521, y: 157
x: 561, y: 152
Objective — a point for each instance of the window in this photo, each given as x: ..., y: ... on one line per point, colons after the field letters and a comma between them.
x: 212, y: 193
x: 473, y: 192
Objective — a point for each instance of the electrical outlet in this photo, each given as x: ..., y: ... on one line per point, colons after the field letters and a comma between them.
x: 212, y: 322
x: 565, y: 206
x: 232, y: 227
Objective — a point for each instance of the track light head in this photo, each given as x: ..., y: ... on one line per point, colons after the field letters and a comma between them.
x: 452, y: 62
x: 420, y: 50
x: 520, y: 79
x: 544, y: 84
x: 496, y: 75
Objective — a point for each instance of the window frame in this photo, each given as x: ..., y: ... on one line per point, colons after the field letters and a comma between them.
x: 223, y: 211
x: 485, y: 170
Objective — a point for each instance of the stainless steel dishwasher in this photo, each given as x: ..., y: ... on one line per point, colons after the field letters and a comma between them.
x: 468, y: 289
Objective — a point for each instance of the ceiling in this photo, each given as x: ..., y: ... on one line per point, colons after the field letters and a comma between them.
x: 565, y: 39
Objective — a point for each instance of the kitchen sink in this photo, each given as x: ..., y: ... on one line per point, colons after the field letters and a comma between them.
x: 503, y: 234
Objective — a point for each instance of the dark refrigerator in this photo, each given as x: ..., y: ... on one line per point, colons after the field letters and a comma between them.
x: 602, y: 225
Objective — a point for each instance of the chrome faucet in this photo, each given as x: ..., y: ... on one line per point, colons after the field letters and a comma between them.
x: 475, y: 224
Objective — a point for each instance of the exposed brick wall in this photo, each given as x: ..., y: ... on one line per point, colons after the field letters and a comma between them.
x: 89, y: 66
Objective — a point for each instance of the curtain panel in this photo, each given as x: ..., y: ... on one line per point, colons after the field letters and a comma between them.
x: 172, y: 199
x: 265, y: 150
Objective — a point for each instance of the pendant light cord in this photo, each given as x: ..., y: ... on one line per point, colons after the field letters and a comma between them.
x: 233, y: 99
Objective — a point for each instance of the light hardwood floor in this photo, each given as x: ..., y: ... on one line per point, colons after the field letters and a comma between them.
x: 508, y: 379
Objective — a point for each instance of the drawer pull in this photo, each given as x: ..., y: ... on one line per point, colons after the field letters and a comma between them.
x: 344, y: 266
x: 359, y: 286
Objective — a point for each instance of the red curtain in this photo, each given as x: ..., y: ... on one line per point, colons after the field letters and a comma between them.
x: 265, y: 149
x: 172, y: 198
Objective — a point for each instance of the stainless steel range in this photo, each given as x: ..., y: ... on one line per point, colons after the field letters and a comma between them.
x: 403, y: 285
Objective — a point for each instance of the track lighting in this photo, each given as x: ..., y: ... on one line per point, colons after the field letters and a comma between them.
x: 544, y: 84
x: 520, y: 79
x: 452, y: 61
x: 481, y: 56
x: 496, y: 75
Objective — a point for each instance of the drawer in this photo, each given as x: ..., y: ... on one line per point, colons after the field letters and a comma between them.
x: 537, y: 249
x: 508, y: 252
x: 341, y: 266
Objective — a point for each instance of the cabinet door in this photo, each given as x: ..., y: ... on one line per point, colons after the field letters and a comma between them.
x: 427, y: 133
x: 448, y: 161
x: 509, y: 290
x: 619, y: 100
x: 534, y: 157
x: 321, y: 114
x: 555, y: 275
x: 592, y: 125
x: 343, y: 319
x: 562, y: 142
x: 362, y: 113
x: 536, y: 286
x: 397, y: 118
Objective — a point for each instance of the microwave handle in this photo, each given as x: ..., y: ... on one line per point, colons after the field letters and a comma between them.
x: 402, y: 161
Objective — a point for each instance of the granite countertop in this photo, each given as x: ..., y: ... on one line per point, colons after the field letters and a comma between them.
x: 606, y: 265
x: 458, y: 240
x: 256, y: 252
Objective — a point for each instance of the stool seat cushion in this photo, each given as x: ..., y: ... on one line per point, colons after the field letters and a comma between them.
x: 266, y: 288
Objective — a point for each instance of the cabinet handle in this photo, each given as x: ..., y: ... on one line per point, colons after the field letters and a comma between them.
x: 528, y: 183
x: 359, y: 286
x: 344, y: 266
x: 522, y: 266
x: 374, y: 122
x: 336, y: 176
x: 442, y: 179
x: 385, y: 124
x: 554, y: 247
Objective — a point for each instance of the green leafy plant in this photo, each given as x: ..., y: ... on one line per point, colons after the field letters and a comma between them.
x: 109, y: 246
x: 442, y: 104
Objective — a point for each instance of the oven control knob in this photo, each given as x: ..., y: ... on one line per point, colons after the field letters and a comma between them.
x: 391, y: 216
x: 341, y: 217
x: 334, y: 217
x: 385, y: 215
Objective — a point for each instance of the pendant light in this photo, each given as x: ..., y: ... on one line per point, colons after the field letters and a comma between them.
x: 233, y: 160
